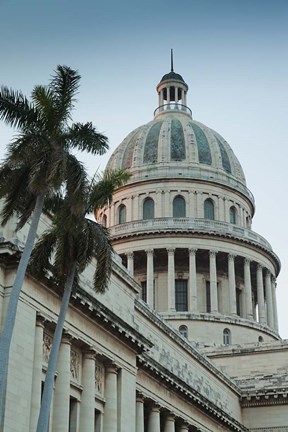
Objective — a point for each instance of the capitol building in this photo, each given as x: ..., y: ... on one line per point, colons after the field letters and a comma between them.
x: 186, y: 338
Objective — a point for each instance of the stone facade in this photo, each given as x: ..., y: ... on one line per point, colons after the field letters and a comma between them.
x: 186, y: 338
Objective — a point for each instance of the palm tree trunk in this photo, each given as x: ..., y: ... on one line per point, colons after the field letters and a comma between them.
x: 44, y: 414
x: 6, y: 336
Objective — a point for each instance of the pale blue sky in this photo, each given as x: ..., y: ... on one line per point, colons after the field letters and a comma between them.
x: 232, y: 54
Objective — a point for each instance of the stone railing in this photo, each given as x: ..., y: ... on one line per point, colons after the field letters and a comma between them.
x: 172, y: 106
x: 188, y: 224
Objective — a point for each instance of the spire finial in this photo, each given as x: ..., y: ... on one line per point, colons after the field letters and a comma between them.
x: 172, y: 69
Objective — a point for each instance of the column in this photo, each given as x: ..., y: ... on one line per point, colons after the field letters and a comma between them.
x: 248, y: 290
x: 260, y: 295
x: 110, y: 411
x: 170, y: 423
x: 112, y: 215
x: 37, y: 373
x: 150, y: 278
x: 176, y: 95
x: 168, y: 96
x: 130, y: 263
x: 200, y: 209
x: 232, y: 284
x: 154, y: 419
x: 87, y: 409
x: 192, y: 281
x: 213, y: 282
x: 268, y: 290
x: 171, y: 280
x: 139, y: 412
x: 61, y: 403
x: 184, y: 427
x: 274, y: 297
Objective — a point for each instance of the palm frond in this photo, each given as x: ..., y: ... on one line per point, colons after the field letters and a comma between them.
x: 101, y: 192
x: 43, y: 99
x: 103, y: 253
x: 64, y: 84
x: 15, y: 109
x: 84, y: 137
x: 41, y: 258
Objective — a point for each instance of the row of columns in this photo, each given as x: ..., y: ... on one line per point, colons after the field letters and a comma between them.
x: 168, y: 96
x: 154, y: 416
x: 60, y: 411
x: 266, y: 314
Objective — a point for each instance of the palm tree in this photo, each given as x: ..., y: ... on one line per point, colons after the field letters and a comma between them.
x: 39, y: 163
x: 65, y: 250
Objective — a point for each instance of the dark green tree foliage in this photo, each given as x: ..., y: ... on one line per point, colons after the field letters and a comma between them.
x: 38, y: 165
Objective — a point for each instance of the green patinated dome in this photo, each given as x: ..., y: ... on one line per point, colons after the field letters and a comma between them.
x: 176, y: 140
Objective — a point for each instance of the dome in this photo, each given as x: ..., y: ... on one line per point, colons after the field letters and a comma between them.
x: 172, y: 76
x: 173, y: 145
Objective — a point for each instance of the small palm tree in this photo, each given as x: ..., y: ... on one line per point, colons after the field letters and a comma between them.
x: 65, y: 250
x: 38, y: 164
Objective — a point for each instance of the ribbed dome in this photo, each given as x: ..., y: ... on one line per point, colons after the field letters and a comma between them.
x: 172, y: 76
x: 176, y: 140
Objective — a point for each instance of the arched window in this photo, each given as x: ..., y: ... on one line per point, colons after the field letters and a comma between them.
x: 233, y: 215
x: 148, y: 208
x: 226, y: 336
x: 209, y: 209
x: 179, y: 207
x: 122, y: 214
x: 183, y: 329
x: 260, y: 339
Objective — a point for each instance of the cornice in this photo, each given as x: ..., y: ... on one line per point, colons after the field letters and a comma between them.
x: 187, y: 392
x: 158, y: 321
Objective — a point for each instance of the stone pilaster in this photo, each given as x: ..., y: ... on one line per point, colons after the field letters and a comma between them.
x: 248, y: 290
x: 110, y: 412
x: 37, y: 373
x: 274, y: 297
x: 154, y: 419
x: 171, y: 279
x: 260, y: 295
x: 268, y: 289
x: 87, y: 412
x: 130, y: 263
x: 232, y: 284
x: 193, y: 306
x: 150, y: 278
x: 61, y: 402
x: 139, y: 412
x: 213, y: 282
x: 170, y: 423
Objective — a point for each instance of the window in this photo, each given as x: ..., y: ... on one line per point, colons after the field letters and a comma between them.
x: 179, y: 207
x: 260, y: 339
x: 226, y: 337
x: 122, y: 214
x: 209, y: 209
x: 233, y: 214
x: 208, y: 297
x: 148, y: 208
x: 183, y: 329
x: 181, y: 298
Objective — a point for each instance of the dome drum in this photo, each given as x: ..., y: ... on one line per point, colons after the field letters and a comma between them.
x: 182, y: 226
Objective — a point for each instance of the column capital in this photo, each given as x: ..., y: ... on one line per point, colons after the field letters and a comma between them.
x: 247, y: 261
x: 89, y: 354
x: 213, y: 253
x: 267, y: 272
x: 192, y: 251
x: 130, y: 254
x: 231, y: 257
x: 66, y: 338
x: 111, y: 367
x: 40, y: 320
x: 149, y: 251
x: 170, y: 416
x: 139, y: 396
x: 171, y: 250
x: 155, y: 406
